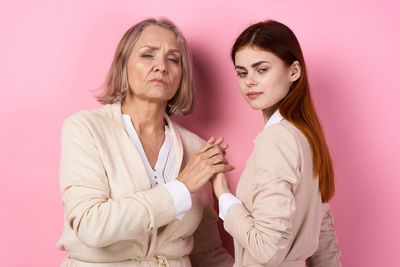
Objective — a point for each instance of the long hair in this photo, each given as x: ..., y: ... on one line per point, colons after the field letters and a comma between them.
x: 297, y: 107
x: 116, y: 84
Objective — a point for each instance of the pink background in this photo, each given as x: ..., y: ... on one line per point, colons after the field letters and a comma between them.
x: 54, y: 54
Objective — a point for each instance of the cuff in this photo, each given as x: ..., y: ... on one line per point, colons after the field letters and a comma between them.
x: 181, y: 197
x: 227, y: 201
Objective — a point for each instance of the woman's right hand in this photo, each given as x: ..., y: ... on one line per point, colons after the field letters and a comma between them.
x: 204, y: 164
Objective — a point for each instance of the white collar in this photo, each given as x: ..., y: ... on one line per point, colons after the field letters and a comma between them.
x: 275, y: 118
x: 166, y: 155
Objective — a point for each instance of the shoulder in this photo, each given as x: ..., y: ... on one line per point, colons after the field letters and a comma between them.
x: 281, y: 133
x: 277, y: 153
x: 281, y: 140
x: 89, y: 118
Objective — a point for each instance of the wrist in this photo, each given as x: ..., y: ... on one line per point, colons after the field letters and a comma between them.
x: 221, y: 192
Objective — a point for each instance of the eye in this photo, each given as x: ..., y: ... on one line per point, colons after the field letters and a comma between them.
x: 147, y: 55
x: 241, y: 74
x: 261, y: 70
x: 174, y: 60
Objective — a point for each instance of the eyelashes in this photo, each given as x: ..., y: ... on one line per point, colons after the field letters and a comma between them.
x: 261, y: 70
x: 243, y: 74
x: 173, y: 60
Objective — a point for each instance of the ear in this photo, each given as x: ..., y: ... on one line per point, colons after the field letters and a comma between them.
x: 294, y: 71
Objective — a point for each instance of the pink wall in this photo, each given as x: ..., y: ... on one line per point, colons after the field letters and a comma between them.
x: 53, y: 54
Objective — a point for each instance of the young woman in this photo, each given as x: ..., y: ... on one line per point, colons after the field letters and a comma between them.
x: 280, y: 215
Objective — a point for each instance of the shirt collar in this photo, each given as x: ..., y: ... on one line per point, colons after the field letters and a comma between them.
x: 173, y: 129
x: 275, y: 118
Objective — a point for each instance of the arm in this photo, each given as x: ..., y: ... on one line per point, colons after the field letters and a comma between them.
x: 207, y: 249
x: 328, y: 253
x: 96, y: 219
x: 265, y: 230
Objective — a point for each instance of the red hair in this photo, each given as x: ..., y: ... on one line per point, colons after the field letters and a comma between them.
x: 297, y: 107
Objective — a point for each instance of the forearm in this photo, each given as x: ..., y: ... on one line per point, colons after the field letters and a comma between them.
x: 99, y: 221
x: 264, y: 241
x: 208, y: 250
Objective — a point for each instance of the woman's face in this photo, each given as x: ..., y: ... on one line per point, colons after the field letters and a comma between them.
x: 264, y: 79
x: 154, y: 66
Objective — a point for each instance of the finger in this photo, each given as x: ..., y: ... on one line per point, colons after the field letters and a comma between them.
x: 224, y: 146
x: 205, y: 147
x: 219, y: 141
x: 223, y: 168
x: 211, y: 140
x: 215, y: 150
x: 218, y: 159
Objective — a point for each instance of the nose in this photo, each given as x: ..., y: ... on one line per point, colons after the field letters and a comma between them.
x: 160, y: 66
x: 250, y: 81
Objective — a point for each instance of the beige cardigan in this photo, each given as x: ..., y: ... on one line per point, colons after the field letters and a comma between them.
x: 282, y: 221
x: 112, y: 215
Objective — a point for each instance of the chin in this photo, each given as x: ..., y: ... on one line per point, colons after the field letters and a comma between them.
x: 161, y: 94
x: 256, y: 106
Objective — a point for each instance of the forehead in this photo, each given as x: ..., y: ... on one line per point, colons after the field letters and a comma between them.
x: 249, y: 55
x: 156, y: 36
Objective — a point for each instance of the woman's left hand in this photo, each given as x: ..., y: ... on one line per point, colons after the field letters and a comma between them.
x: 220, y: 184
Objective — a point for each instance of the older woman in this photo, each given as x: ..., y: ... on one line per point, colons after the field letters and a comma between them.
x: 134, y: 183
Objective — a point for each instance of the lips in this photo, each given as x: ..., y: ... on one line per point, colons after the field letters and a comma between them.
x: 254, y: 95
x: 159, y: 81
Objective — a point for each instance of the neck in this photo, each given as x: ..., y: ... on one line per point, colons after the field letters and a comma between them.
x: 147, y: 116
x: 268, y: 112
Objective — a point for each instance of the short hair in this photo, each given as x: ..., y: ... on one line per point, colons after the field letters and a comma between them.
x: 116, y: 85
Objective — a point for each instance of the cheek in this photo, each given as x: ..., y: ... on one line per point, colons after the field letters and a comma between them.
x: 176, y: 75
x: 179, y: 75
x: 284, y: 87
x: 136, y: 71
x: 242, y: 87
x: 279, y: 85
x: 137, y: 77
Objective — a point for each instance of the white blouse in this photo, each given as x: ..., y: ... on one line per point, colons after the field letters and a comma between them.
x: 166, y: 169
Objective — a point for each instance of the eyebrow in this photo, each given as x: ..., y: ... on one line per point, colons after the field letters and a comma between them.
x: 253, y: 65
x: 157, y: 48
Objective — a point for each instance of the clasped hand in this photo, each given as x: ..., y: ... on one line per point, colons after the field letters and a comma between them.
x: 208, y: 162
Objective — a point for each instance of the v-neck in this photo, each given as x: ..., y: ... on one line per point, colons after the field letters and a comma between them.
x: 162, y: 154
x: 173, y: 166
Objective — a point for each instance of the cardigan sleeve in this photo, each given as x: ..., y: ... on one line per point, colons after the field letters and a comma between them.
x: 264, y: 230
x: 328, y: 253
x: 208, y: 250
x: 96, y: 218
